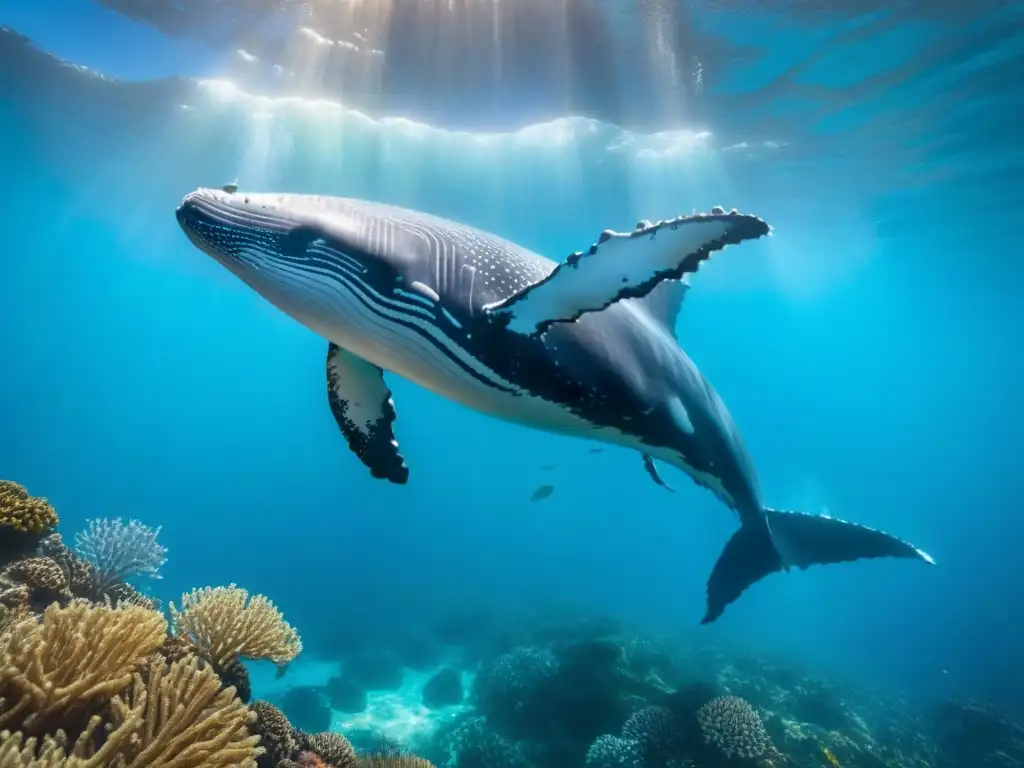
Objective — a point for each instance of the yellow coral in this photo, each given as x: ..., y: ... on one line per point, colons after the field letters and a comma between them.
x: 25, y: 513
x: 225, y: 623
x: 74, y: 658
x: 17, y: 751
x: 173, y: 717
x: 179, y: 717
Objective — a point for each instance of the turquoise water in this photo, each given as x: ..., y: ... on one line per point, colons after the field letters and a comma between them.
x: 869, y: 351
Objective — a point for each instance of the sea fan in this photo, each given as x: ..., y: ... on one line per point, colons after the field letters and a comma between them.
x: 119, y: 551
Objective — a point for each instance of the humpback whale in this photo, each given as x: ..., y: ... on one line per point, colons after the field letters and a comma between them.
x: 583, y: 347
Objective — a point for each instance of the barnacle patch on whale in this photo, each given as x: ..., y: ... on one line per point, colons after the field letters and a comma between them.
x: 625, y: 265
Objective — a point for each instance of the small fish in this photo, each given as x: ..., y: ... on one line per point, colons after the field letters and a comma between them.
x: 832, y: 759
x: 542, y: 493
x: 597, y: 450
x: 230, y: 188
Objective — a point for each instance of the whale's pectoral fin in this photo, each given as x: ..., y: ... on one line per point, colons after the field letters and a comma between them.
x: 753, y: 552
x: 362, y: 405
x: 625, y: 265
x: 652, y: 470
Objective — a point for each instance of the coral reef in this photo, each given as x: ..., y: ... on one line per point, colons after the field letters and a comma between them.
x: 23, y: 513
x: 85, y: 582
x: 24, y: 520
x: 57, y: 669
x: 92, y: 671
x: 92, y: 677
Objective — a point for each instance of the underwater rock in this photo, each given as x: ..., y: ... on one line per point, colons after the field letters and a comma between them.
x: 376, y: 671
x: 471, y: 743
x: 974, y: 734
x: 346, y: 695
x: 818, y: 702
x: 509, y: 690
x: 307, y: 708
x: 443, y: 690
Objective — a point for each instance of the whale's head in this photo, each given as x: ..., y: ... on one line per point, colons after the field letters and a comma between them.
x: 259, y: 231
x: 303, y: 253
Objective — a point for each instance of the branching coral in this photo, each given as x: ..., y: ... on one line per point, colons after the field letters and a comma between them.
x: 171, y: 717
x: 54, y: 670
x: 225, y: 623
x: 178, y: 716
x: 732, y: 726
x: 118, y: 551
x: 24, y: 513
x: 658, y: 732
x: 614, y: 752
x: 405, y: 761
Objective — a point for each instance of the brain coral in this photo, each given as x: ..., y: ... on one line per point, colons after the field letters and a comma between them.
x: 732, y: 726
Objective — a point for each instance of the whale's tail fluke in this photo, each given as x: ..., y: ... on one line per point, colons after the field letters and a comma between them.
x: 753, y: 553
